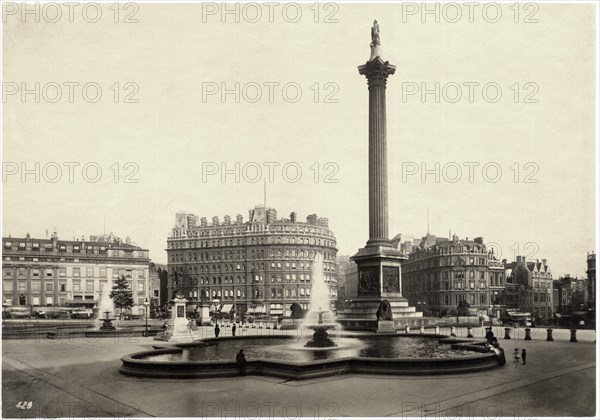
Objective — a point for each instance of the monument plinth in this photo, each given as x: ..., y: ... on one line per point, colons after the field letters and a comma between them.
x: 178, y: 328
x: 379, y: 273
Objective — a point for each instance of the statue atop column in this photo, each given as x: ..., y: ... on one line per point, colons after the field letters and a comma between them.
x: 375, y: 41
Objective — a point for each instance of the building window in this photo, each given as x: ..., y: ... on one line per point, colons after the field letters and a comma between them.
x: 35, y: 300
x: 49, y: 287
x: 22, y: 286
x: 89, y: 285
x: 49, y: 273
x: 22, y: 300
x: 22, y: 272
x: 49, y: 300
x: 76, y: 272
x: 62, y: 287
x: 77, y: 285
x: 35, y: 286
x: 140, y: 286
x: 140, y: 274
x: 89, y: 272
x: 62, y: 272
x: 103, y: 272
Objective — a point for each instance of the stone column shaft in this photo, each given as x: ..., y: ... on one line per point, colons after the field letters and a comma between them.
x: 377, y: 72
x: 378, y: 196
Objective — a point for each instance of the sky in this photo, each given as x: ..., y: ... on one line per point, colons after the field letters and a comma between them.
x: 164, y: 108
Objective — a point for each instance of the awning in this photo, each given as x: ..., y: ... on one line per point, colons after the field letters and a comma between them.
x: 276, y: 312
x: 259, y: 309
x: 226, y: 308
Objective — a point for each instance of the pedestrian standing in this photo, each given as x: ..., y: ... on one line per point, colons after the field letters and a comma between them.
x: 524, y: 355
x: 516, y: 357
x: 217, y: 330
x: 240, y: 358
x: 233, y: 330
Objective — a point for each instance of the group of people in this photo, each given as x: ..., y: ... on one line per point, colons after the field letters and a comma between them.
x: 516, y: 356
x: 492, y: 341
x: 218, y: 330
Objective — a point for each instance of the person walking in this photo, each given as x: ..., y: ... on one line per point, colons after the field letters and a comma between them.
x: 240, y: 358
x: 524, y: 356
x: 516, y: 357
x: 217, y: 330
x: 233, y: 330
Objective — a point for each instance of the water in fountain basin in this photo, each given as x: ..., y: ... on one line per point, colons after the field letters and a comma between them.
x: 319, y: 318
x: 319, y: 294
x: 105, y: 304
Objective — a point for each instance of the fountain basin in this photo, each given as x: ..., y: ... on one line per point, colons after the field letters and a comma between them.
x: 149, y: 363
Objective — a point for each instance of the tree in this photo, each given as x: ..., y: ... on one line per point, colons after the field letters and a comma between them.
x: 297, y: 311
x: 121, y: 295
x: 463, y: 308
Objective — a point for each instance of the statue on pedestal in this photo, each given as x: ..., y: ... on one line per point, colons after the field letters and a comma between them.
x: 176, y: 291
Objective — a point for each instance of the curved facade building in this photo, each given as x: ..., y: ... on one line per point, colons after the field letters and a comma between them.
x: 259, y: 267
x: 440, y: 273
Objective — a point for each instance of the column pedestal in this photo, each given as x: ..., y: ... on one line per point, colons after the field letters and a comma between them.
x: 379, y: 291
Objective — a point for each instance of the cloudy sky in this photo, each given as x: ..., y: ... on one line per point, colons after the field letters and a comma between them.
x: 490, y: 121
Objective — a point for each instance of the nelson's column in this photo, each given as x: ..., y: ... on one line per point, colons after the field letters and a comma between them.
x: 379, y: 305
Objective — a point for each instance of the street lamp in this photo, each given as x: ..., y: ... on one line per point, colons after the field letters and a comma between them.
x: 146, y: 304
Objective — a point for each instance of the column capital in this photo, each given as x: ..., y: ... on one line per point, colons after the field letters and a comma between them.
x: 377, y: 71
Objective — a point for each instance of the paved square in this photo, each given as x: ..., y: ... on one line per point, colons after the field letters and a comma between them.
x: 79, y: 378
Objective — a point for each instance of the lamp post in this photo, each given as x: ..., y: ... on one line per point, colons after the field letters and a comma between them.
x: 146, y: 304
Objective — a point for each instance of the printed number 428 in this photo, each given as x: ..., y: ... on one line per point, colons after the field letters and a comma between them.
x: 24, y: 405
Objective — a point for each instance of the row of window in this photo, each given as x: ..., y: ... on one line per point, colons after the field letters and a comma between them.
x: 72, y: 272
x: 77, y: 286
x: 451, y: 300
x: 23, y: 300
x: 443, y: 262
x: 253, y: 254
x: 450, y: 250
x: 415, y: 287
x: 447, y: 275
x: 75, y: 248
x: 272, y: 228
x: 241, y: 293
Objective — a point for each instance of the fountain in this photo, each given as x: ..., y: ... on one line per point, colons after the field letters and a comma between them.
x: 319, y: 298
x: 107, y: 323
x: 320, y: 337
x: 106, y: 307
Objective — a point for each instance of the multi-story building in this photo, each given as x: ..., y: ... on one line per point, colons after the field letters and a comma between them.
x: 591, y: 280
x: 572, y: 294
x: 439, y: 273
x: 158, y: 288
x: 531, y: 283
x: 43, y: 274
x: 258, y: 267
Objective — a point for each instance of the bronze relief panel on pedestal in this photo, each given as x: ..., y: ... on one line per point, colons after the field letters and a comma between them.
x: 369, y: 281
x: 391, y: 280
